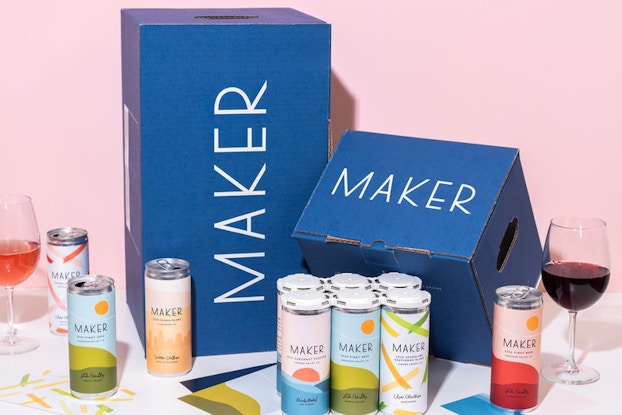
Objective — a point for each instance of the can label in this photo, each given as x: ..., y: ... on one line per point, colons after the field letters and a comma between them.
x: 516, y: 356
x: 305, y: 363
x: 92, y: 344
x: 168, y: 326
x: 355, y: 359
x: 65, y: 260
x: 404, y: 361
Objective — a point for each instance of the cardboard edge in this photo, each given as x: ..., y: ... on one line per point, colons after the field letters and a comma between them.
x: 480, y: 238
x: 337, y: 239
x: 496, y: 201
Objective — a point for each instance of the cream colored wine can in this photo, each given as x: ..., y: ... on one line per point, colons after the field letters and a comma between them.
x: 405, y: 329
x: 168, y: 317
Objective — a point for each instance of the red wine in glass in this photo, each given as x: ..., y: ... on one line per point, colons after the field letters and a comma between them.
x: 575, y: 285
x: 575, y: 273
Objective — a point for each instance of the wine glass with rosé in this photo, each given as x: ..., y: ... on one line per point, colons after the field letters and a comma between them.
x: 575, y: 273
x: 19, y: 256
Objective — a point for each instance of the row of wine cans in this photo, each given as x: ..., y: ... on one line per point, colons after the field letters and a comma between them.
x: 352, y: 345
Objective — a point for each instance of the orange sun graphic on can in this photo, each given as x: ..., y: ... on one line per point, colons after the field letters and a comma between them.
x: 101, y: 308
x: 367, y: 327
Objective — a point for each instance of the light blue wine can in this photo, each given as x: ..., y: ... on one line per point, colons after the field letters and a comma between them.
x: 355, y: 352
x: 92, y: 336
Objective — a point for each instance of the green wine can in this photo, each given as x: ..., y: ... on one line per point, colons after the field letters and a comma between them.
x: 92, y: 336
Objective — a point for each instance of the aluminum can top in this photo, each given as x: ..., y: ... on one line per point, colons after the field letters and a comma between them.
x: 67, y: 236
x: 167, y: 269
x: 519, y: 297
x: 299, y: 281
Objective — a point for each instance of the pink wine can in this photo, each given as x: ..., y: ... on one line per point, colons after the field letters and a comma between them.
x: 291, y: 282
x: 168, y: 317
x: 305, y: 356
x: 517, y: 327
x: 67, y: 257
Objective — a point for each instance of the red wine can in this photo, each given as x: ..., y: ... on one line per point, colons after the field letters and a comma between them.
x: 517, y: 327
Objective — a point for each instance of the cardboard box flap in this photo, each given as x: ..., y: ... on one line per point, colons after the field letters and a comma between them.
x: 452, y: 187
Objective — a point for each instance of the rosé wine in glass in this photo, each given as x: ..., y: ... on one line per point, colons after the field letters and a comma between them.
x: 19, y: 255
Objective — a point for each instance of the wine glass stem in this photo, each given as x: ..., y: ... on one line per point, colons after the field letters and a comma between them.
x: 571, y: 366
x: 10, y: 338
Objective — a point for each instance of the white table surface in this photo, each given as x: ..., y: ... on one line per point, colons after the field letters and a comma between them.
x: 599, y: 344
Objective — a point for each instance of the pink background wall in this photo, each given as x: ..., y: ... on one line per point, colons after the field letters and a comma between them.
x: 543, y: 76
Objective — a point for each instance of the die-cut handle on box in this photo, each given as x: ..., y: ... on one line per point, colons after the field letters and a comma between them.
x: 507, y: 243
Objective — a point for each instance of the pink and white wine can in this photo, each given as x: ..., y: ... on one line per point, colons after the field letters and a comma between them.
x: 305, y: 350
x: 289, y: 283
x: 67, y: 257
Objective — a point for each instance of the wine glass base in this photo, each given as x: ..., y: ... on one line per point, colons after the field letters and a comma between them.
x: 559, y: 374
x: 22, y: 345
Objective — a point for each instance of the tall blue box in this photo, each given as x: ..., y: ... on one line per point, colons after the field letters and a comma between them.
x: 226, y: 120
x: 458, y: 215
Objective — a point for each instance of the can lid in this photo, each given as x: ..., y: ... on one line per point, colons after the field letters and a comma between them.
x: 356, y: 299
x: 305, y: 300
x: 396, y: 280
x: 67, y: 236
x: 519, y: 296
x: 347, y: 281
x: 406, y: 298
x: 299, y: 281
x: 90, y: 284
x: 167, y: 268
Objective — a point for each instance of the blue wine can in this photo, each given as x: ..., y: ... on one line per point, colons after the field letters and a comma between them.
x: 92, y: 336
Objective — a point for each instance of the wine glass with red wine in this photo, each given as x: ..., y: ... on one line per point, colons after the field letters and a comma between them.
x: 575, y: 273
x: 19, y: 256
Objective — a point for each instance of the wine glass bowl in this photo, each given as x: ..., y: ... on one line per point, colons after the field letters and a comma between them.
x: 19, y: 255
x: 575, y: 274
x: 575, y: 286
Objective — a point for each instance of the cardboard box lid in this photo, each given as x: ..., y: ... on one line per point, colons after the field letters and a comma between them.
x: 220, y: 16
x: 450, y: 188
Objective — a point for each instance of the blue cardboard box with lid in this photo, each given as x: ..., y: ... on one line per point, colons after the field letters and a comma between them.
x: 456, y: 214
x: 226, y: 132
